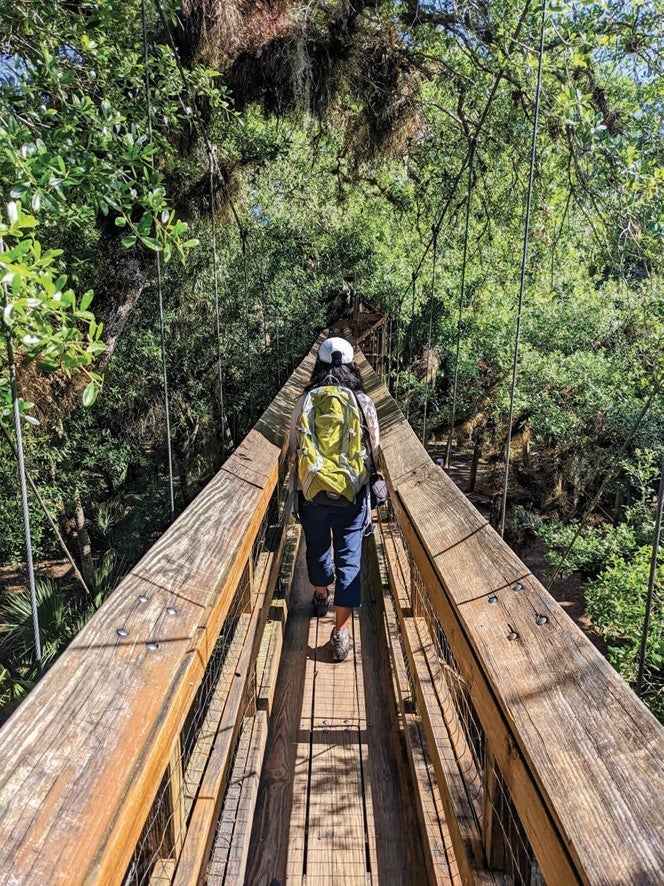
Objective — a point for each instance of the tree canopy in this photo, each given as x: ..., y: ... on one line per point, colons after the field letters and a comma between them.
x: 327, y: 146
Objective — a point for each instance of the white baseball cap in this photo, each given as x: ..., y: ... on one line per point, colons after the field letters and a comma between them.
x: 331, y: 346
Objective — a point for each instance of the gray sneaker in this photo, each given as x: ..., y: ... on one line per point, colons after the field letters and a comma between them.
x: 341, y: 644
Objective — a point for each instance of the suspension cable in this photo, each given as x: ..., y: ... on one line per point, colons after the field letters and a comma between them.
x: 22, y: 481
x: 410, y: 350
x: 215, y: 274
x: 430, y: 337
x: 480, y: 125
x: 202, y: 129
x: 462, y: 297
x: 608, y: 476
x: 524, y: 261
x: 398, y: 349
x: 389, y: 352
x: 162, y: 324
x: 650, y: 593
x: 56, y: 531
x: 249, y: 364
x: 197, y: 116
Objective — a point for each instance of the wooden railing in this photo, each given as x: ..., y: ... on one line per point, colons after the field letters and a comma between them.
x: 542, y: 752
x: 113, y: 769
x: 99, y: 764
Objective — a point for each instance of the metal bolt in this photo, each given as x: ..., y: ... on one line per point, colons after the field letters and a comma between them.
x: 517, y: 586
x: 541, y: 619
x: 121, y: 632
x: 142, y: 599
x: 512, y: 635
x: 492, y: 600
x: 171, y: 611
x: 152, y: 645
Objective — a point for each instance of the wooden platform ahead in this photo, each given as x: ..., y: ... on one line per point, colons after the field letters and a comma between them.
x: 334, y: 799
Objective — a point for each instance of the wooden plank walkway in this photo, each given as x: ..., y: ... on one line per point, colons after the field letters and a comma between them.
x: 334, y: 801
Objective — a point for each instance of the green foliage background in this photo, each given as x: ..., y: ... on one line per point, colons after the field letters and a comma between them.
x: 314, y: 210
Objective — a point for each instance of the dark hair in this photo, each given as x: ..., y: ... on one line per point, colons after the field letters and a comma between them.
x: 346, y: 374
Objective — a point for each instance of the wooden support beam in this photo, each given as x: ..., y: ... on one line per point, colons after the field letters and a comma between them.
x: 464, y: 832
x: 579, y: 753
x: 440, y: 859
x: 84, y: 755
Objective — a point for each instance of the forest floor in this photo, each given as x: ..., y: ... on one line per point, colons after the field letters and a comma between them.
x: 567, y: 590
x: 15, y: 578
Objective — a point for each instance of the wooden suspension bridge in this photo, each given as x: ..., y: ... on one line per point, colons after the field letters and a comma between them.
x: 197, y: 731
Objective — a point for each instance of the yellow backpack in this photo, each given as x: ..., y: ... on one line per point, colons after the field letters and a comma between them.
x: 331, y: 465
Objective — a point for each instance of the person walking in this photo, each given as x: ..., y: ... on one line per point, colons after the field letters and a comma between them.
x: 333, y: 427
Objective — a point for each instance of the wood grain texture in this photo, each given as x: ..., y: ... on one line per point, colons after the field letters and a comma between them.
x: 279, y: 795
x: 239, y: 701
x: 228, y: 859
x: 579, y: 752
x: 84, y: 754
x: 435, y: 841
x: 464, y: 832
x: 332, y: 803
x: 395, y: 824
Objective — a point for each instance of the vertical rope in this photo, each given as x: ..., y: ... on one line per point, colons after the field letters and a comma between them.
x: 397, y: 358
x: 250, y: 368
x: 524, y: 260
x: 217, y: 323
x: 431, y: 301
x: 23, y: 483
x: 162, y: 324
x: 651, y: 582
x: 389, y: 354
x: 462, y: 297
x: 56, y: 531
x: 410, y: 352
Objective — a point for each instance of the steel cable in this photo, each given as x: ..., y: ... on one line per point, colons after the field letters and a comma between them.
x: 462, y: 295
x: 162, y: 324
x: 524, y: 261
x: 23, y: 484
x: 430, y: 336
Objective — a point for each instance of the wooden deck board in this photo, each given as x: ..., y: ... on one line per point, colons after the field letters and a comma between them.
x: 335, y: 823
x: 332, y: 805
x: 281, y: 792
x: 439, y: 858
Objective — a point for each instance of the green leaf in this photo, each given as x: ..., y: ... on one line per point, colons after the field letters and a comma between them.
x: 90, y: 394
x: 151, y: 243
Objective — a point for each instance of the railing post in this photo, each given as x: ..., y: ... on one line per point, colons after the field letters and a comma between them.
x: 492, y: 838
x: 176, y: 798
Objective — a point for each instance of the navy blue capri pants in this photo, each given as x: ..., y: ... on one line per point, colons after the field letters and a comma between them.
x: 334, y: 547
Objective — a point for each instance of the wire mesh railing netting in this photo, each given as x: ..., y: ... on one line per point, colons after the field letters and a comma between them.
x: 506, y: 846
x: 162, y: 837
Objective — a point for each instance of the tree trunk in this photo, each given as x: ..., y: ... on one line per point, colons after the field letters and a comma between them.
x: 477, y: 455
x: 83, y: 540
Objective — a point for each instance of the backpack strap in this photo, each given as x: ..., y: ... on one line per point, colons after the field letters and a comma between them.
x: 367, y: 435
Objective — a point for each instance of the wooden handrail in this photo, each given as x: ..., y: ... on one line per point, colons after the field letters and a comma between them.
x: 84, y: 755
x: 579, y: 753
